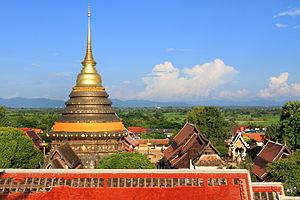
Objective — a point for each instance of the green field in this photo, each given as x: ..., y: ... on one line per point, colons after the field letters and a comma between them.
x: 170, y: 118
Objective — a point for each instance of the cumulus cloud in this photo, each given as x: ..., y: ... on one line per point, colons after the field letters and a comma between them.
x: 167, y: 82
x: 291, y: 12
x: 279, y: 88
x: 278, y: 25
x: 239, y: 94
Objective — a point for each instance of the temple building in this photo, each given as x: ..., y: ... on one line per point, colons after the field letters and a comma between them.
x: 190, y: 149
x: 271, y: 152
x: 89, y: 124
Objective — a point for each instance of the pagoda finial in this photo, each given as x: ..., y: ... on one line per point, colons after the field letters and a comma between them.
x: 89, y: 77
x: 89, y: 59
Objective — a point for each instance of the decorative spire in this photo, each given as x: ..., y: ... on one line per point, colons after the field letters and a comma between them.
x: 89, y: 77
x: 89, y: 54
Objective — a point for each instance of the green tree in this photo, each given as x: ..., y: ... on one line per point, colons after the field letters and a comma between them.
x: 287, y: 171
x: 288, y: 128
x: 3, y: 117
x: 18, y: 151
x: 211, y: 122
x: 153, y: 135
x: 125, y: 160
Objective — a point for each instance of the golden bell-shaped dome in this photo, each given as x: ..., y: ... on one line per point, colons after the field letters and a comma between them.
x: 88, y: 77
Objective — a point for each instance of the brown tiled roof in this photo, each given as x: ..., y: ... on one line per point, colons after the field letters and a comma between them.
x: 171, y: 154
x: 131, y: 141
x: 271, y: 152
x: 260, y: 167
x: 191, y: 141
x: 69, y: 156
x: 56, y: 164
x: 175, y: 161
x: 154, y: 141
x: 184, y: 134
x: 188, y: 142
x: 32, y: 135
x: 210, y: 160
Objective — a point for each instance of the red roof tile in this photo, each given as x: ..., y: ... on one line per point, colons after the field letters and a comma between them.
x: 137, y: 129
x: 154, y: 141
x: 258, y: 137
x: 271, y: 152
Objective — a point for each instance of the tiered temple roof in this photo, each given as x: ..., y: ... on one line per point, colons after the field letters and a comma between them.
x: 188, y: 145
x: 88, y: 112
x: 271, y: 152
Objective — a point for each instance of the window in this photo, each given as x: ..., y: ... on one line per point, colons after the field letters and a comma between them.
x: 263, y: 196
x: 162, y: 182
x: 141, y: 182
x: 188, y: 182
x: 195, y: 182
x: 122, y: 182
x: 175, y: 182
x: 155, y: 182
x: 223, y: 181
x: 128, y: 182
x: 256, y: 196
x: 271, y: 196
x: 148, y: 182
x: 134, y: 182
x: 201, y: 182
x: 235, y: 181
x: 182, y: 182
x: 169, y: 182
x: 217, y: 181
x: 94, y: 182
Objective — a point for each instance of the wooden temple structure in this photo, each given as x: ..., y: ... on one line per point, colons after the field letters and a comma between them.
x: 89, y: 125
x: 190, y: 149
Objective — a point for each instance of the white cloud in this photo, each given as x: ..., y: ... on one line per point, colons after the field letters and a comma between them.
x: 278, y: 25
x: 239, y: 94
x: 167, y: 82
x: 291, y: 12
x: 279, y: 88
x: 171, y: 49
x: 35, y: 65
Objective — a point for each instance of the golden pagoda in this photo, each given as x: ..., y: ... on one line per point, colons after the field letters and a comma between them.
x: 88, y: 123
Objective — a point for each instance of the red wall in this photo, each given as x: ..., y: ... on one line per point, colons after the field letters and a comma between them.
x: 205, y: 192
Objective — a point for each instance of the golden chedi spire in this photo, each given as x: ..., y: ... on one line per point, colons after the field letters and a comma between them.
x: 88, y: 112
x: 89, y: 76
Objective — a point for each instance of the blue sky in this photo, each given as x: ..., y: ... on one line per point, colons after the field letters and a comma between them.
x: 158, y: 50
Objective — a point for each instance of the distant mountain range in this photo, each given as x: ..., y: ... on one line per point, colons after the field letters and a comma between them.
x: 20, y: 102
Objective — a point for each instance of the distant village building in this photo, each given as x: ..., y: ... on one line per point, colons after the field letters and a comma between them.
x: 130, y: 143
x: 33, y: 134
x: 237, y: 148
x: 137, y: 131
x: 152, y: 148
x: 187, y: 148
x: 258, y: 137
x: 270, y: 153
